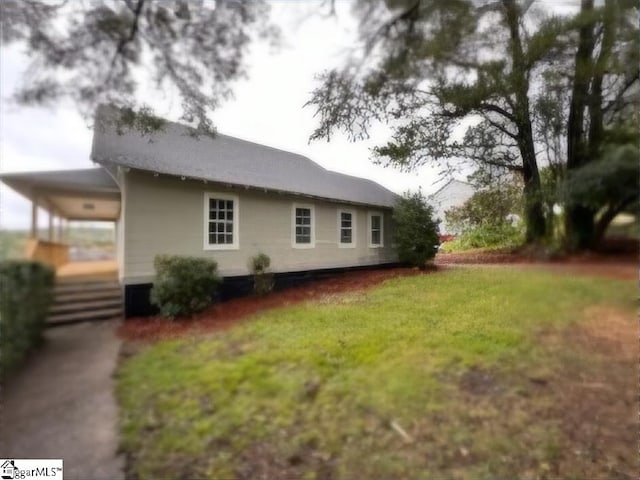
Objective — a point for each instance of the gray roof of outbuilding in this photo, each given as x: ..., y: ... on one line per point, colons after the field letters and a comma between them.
x: 173, y: 150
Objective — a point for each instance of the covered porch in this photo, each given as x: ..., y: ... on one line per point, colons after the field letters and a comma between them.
x: 87, y: 195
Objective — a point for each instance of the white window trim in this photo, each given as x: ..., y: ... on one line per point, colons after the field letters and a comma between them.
x: 373, y: 214
x: 353, y: 228
x: 293, y: 225
x: 236, y: 221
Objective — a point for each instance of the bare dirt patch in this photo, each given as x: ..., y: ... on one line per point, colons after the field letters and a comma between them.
x: 596, y: 404
x: 226, y: 314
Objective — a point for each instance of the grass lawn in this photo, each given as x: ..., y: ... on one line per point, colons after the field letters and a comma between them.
x: 468, y: 373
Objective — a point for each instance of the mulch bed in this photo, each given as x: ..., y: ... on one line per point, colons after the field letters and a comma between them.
x: 226, y: 314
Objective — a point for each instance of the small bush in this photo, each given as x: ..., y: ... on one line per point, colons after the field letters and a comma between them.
x: 262, y: 278
x: 415, y: 230
x: 183, y: 285
x: 26, y: 293
x: 486, y: 236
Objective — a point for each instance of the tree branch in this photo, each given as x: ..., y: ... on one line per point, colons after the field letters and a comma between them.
x: 501, y: 128
x: 137, y: 12
x: 490, y: 107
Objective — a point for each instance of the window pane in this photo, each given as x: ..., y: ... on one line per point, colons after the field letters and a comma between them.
x: 345, y: 236
x: 346, y: 224
x: 220, y: 221
x: 303, y: 225
x: 375, y: 237
x: 375, y: 222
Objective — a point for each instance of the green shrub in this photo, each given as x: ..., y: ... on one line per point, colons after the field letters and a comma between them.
x: 262, y: 277
x: 486, y: 236
x: 26, y: 293
x: 183, y: 285
x: 415, y: 230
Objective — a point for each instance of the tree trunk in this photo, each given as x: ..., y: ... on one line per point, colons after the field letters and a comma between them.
x: 579, y: 224
x: 605, y: 220
x: 536, y: 224
x: 533, y: 210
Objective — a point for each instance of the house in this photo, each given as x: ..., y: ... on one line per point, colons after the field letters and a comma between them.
x: 217, y: 197
x: 8, y: 469
x: 452, y: 194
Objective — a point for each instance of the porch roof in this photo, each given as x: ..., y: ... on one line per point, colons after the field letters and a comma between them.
x: 83, y: 194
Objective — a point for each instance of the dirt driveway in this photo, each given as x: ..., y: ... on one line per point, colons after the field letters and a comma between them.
x: 61, y: 404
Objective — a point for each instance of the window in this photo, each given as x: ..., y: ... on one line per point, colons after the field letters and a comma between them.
x: 346, y: 229
x: 303, y: 235
x: 376, y: 230
x: 221, y: 221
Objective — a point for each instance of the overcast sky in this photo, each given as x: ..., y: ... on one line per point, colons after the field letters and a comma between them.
x: 267, y: 109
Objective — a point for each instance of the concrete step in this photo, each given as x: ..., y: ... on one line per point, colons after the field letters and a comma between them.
x: 82, y: 296
x: 85, y: 316
x: 62, y: 307
x: 93, y: 286
x: 85, y: 301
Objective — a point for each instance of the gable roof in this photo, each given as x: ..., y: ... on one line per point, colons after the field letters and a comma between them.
x: 174, y: 151
x: 452, y: 184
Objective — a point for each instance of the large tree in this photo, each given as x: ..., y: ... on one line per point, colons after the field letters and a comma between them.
x: 604, y: 99
x: 482, y: 81
x: 108, y: 51
x: 432, y: 66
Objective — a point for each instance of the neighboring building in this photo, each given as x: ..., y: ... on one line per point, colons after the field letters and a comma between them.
x: 453, y: 194
x: 221, y: 198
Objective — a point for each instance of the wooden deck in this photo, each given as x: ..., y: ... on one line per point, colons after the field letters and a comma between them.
x: 103, y: 269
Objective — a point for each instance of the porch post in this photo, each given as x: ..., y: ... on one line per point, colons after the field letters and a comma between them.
x: 50, y: 224
x: 60, y: 230
x: 34, y: 218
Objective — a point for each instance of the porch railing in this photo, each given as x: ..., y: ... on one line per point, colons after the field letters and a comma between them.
x: 52, y: 253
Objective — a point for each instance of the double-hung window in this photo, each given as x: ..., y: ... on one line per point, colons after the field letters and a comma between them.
x: 303, y: 235
x: 346, y: 228
x: 376, y: 230
x: 221, y: 221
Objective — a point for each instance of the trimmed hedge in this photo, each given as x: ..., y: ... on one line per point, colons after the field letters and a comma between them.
x: 26, y: 293
x: 183, y: 285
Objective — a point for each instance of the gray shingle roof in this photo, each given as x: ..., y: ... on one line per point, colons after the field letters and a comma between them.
x: 94, y: 180
x: 229, y: 160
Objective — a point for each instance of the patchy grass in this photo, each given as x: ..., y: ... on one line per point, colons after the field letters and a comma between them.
x: 469, y: 373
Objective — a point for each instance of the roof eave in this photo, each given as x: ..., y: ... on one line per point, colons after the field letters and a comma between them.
x: 242, y: 185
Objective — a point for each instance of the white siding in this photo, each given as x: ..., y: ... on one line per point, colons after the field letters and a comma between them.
x: 120, y: 226
x: 453, y: 194
x: 165, y: 215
